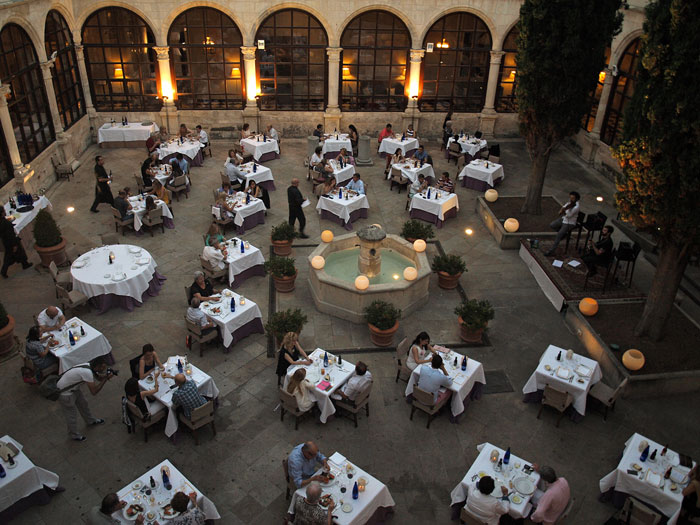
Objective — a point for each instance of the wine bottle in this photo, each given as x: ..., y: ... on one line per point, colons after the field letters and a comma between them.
x: 355, y: 491
x: 11, y: 460
x: 340, y: 193
x: 499, y: 467
x: 428, y: 193
x: 109, y: 259
x: 340, y: 360
x: 664, y: 450
x: 464, y: 363
x: 166, y: 480
x: 645, y: 454
x: 653, y: 456
x: 455, y: 362
x: 506, y: 456
x: 3, y: 474
x: 668, y: 473
x: 82, y: 330
x: 559, y: 356
x: 233, y: 302
x: 179, y: 366
x: 71, y: 338
x: 242, y: 247
x: 325, y: 359
x: 152, y: 482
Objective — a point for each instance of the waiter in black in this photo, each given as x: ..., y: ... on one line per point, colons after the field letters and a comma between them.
x: 295, y: 200
x: 14, y: 252
x: 103, y: 193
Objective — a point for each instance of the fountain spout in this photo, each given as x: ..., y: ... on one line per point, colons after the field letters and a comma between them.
x: 369, y: 261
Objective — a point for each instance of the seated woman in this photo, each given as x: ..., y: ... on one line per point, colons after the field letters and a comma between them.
x: 150, y: 204
x: 289, y: 354
x: 245, y: 131
x: 302, y: 389
x: 344, y: 156
x: 149, y: 360
x: 354, y: 136
x: 420, y: 351
x: 183, y: 132
x: 325, y: 187
x: 163, y: 134
x: 690, y: 508
x: 396, y: 158
x: 254, y: 189
x: 160, y: 192
x: 227, y: 210
x: 137, y: 396
x: 213, y: 234
x: 37, y: 352
x: 202, y: 288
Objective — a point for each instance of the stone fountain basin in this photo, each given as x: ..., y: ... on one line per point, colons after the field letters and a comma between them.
x: 340, y: 298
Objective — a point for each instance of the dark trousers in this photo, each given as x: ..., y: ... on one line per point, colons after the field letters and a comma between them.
x: 18, y: 256
x: 102, y: 196
x: 591, y: 260
x: 297, y: 213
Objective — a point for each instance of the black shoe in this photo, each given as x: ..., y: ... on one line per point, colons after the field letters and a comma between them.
x: 549, y: 253
x: 79, y: 438
x: 27, y: 265
x: 94, y: 211
x: 97, y: 422
x: 303, y: 236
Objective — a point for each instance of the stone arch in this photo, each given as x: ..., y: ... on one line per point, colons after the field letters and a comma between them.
x: 65, y: 13
x: 36, y: 37
x: 499, y: 46
x: 621, y: 46
x: 484, y: 18
x: 80, y: 22
x: 333, y: 38
x: 165, y: 27
x: 398, y: 14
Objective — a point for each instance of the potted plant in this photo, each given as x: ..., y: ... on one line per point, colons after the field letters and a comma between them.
x: 48, y: 241
x: 474, y: 316
x: 283, y: 273
x: 282, y: 236
x: 413, y: 229
x: 383, y: 321
x: 289, y: 320
x: 7, y: 332
x: 449, y: 269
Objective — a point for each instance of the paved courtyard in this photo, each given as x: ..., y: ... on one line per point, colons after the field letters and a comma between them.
x: 240, y: 468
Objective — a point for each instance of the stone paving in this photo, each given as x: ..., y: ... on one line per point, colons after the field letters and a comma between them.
x: 240, y: 468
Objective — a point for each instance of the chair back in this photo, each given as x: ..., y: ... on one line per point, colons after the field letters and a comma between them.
x: 362, y: 396
x: 193, y: 327
x: 180, y: 180
x: 150, y: 142
x: 555, y: 398
x: 640, y: 514
x: 495, y: 150
x: 580, y: 218
x: 203, y: 414
x: 289, y: 402
x: 566, y: 512
x: 170, y: 194
x: 139, y: 181
x: 468, y: 518
x: 423, y: 397
x: 54, y: 270
x: 618, y: 390
x: 62, y: 293
x: 155, y: 216
x: 627, y: 251
x: 54, y: 162
x: 134, y: 366
x: 402, y: 350
x: 116, y: 214
x: 216, y: 212
x: 455, y: 147
x: 134, y: 411
x: 595, y: 221
x: 396, y: 174
x: 187, y: 293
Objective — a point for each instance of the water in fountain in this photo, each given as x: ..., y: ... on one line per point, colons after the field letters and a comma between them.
x: 343, y: 265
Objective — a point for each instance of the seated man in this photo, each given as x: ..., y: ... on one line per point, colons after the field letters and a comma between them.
x: 416, y: 187
x: 385, y: 133
x: 551, y: 504
x: 180, y: 503
x: 198, y: 317
x: 308, y: 511
x: 318, y: 132
x: 153, y: 142
x: 202, y: 136
x: 599, y: 253
x: 123, y: 206
x: 50, y: 319
x: 421, y: 154
x: 445, y: 183
x: 233, y: 170
x: 147, y: 170
x: 356, y: 184
x: 272, y: 133
x: 316, y: 158
x: 215, y: 255
x: 181, y: 162
x: 302, y: 463
x: 186, y: 396
x: 433, y: 378
x: 102, y: 515
x: 483, y: 505
x: 355, y: 385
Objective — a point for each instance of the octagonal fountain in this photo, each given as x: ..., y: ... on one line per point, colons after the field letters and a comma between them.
x: 380, y: 257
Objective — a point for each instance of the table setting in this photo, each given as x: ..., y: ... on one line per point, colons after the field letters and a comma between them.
x: 164, y: 172
x: 260, y: 174
x: 116, y: 275
x: 243, y: 264
x: 248, y: 215
x: 149, y: 496
x: 518, y: 476
x: 21, y: 219
x: 262, y: 148
x: 235, y: 323
x: 190, y: 148
x: 374, y: 501
x: 389, y: 145
x: 132, y: 134
x: 334, y: 142
x: 343, y: 206
x: 434, y: 206
x: 138, y: 208
x: 411, y: 168
x: 481, y: 175
x: 342, y: 174
x: 470, y: 145
x: 88, y: 343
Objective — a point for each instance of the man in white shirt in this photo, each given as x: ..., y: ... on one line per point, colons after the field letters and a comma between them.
x: 50, y: 319
x: 482, y: 505
x: 356, y: 384
x: 94, y: 375
x: 198, y: 317
x: 568, y: 214
x: 356, y: 184
x: 215, y: 255
x: 272, y: 133
x: 202, y: 136
x: 233, y: 171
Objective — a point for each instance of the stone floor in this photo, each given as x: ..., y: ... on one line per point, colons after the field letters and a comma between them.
x: 240, y: 469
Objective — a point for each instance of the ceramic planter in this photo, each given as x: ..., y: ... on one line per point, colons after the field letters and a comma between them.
x: 382, y: 337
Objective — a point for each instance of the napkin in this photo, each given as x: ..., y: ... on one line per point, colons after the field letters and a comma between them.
x: 337, y: 458
x: 305, y: 203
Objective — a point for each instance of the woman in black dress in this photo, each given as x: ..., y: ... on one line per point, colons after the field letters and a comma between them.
x: 149, y: 360
x: 289, y: 354
x: 137, y: 396
x: 201, y: 288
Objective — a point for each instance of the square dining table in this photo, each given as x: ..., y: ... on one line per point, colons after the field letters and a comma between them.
x: 243, y: 264
x: 436, y: 207
x: 89, y: 346
x: 344, y: 211
x: 234, y: 325
x: 481, y: 175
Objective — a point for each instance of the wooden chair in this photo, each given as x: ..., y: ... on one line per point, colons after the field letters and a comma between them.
x: 454, y: 151
x: 291, y: 486
x: 109, y: 238
x: 606, y: 395
x: 635, y: 512
x: 28, y: 363
x: 461, y: 162
x: 72, y: 299
x: 178, y: 186
x: 246, y: 157
x: 562, y: 517
x: 397, y: 179
x: 200, y: 417
x: 626, y: 253
x: 62, y: 279
x: 64, y: 170
x: 187, y: 294
x: 424, y: 402
x: 143, y: 420
x: 119, y: 223
x: 402, y: 371
x: 494, y: 154
x: 288, y: 403
x: 140, y: 185
x: 217, y: 218
x: 195, y: 332
x: 468, y: 518
x: 556, y: 399
x: 595, y: 222
x: 607, y: 269
x: 210, y: 271
x: 206, y: 150
x: 361, y: 401
x: 154, y: 218
x: 224, y: 179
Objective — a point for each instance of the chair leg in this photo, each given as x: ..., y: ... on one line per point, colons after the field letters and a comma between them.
x: 296, y: 423
x: 605, y: 414
x: 398, y: 372
x: 559, y: 419
x: 213, y: 427
x: 355, y: 414
x: 201, y: 349
x: 430, y: 418
x: 367, y: 409
x: 145, y: 434
x: 413, y: 409
x: 196, y: 437
x: 540, y: 411
x: 281, y: 413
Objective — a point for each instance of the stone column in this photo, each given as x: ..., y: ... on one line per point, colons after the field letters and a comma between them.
x: 364, y: 157
x: 21, y: 173
x: 167, y: 90
x: 80, y: 56
x: 332, y: 116
x: 51, y: 94
x: 251, y: 112
x: 488, y: 114
x: 591, y: 142
x: 412, y: 115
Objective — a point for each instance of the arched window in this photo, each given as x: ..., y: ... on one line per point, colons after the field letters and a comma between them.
x: 456, y: 72
x: 505, y: 96
x: 205, y: 54
x: 292, y: 67
x: 28, y: 105
x: 589, y: 119
x: 620, y: 94
x: 66, y: 75
x: 120, y: 61
x: 375, y: 46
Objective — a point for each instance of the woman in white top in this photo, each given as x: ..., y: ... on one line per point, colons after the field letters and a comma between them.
x: 421, y: 351
x: 302, y: 390
x: 317, y: 157
x: 245, y: 131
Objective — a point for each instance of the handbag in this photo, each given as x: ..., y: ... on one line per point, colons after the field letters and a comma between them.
x: 49, y: 387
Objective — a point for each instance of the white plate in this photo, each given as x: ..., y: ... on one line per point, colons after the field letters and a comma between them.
x: 144, y: 260
x: 132, y: 518
x: 137, y: 485
x: 516, y: 499
x: 134, y: 250
x: 563, y: 373
x: 134, y: 267
x: 107, y: 275
x: 346, y: 508
x: 120, y: 277
x: 654, y: 479
x: 583, y: 371
x: 79, y: 264
x: 524, y: 485
x: 9, y: 465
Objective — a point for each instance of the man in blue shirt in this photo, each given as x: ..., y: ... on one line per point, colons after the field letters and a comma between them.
x: 433, y: 378
x: 420, y: 153
x: 302, y: 463
x: 356, y: 184
x: 181, y: 161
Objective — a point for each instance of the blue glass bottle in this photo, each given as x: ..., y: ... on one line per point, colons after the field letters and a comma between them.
x: 403, y: 137
x: 464, y: 363
x: 428, y: 192
x: 2, y: 472
x: 242, y: 247
x: 340, y: 193
x: 255, y: 167
x: 506, y: 457
x: 355, y: 491
x: 645, y: 454
x: 264, y: 137
x: 179, y: 366
x: 166, y: 481
x: 233, y: 302
x: 71, y: 338
x: 247, y: 199
x: 325, y: 359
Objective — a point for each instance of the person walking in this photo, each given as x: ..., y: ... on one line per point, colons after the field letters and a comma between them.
x: 295, y: 200
x: 14, y: 251
x: 103, y: 193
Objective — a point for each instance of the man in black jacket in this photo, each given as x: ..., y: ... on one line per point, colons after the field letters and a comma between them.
x: 103, y: 193
x: 295, y: 200
x: 14, y: 252
x: 599, y: 253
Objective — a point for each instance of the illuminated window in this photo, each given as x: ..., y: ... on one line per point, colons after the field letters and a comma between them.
x: 505, y: 96
x: 589, y: 120
x: 620, y: 94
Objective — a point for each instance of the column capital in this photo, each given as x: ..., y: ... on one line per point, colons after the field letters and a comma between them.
x: 496, y: 56
x: 334, y: 53
x: 162, y: 52
x: 79, y: 49
x: 5, y: 91
x: 417, y: 55
x: 248, y: 52
x: 46, y: 67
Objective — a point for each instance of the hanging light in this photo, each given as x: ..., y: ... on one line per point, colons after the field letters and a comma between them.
x: 443, y: 45
x: 118, y: 72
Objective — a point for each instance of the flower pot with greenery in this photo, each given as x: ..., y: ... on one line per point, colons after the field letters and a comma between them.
x: 413, y: 229
x: 48, y: 241
x: 449, y: 269
x: 7, y: 332
x: 474, y: 316
x: 289, y: 320
x: 283, y: 273
x: 383, y: 321
x: 282, y: 237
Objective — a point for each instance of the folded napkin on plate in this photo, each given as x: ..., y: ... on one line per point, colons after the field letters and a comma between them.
x: 459, y: 379
x: 337, y: 458
x: 144, y: 260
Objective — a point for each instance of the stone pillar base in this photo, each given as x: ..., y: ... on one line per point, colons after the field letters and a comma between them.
x: 251, y: 115
x: 364, y: 154
x: 589, y: 147
x: 23, y: 176
x: 487, y: 122
x: 331, y: 119
x: 168, y: 118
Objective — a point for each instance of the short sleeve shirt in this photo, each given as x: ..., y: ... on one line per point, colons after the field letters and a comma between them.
x: 44, y: 320
x: 76, y: 376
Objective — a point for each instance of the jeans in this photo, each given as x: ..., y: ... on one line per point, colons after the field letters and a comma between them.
x: 562, y: 229
x: 72, y: 403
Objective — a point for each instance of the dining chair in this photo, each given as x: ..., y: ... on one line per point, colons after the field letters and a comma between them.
x: 119, y: 223
x: 145, y: 421
x: 397, y: 179
x: 454, y: 152
x: 140, y: 185
x: 199, y: 418
x: 360, y: 402
x: 626, y: 253
x: 402, y: 371
x: 556, y: 399
x: 288, y: 403
x: 291, y: 487
x: 177, y: 186
x: 63, y: 279
x: 635, y: 512
x: 187, y: 294
x: 210, y: 271
x: 469, y: 519
x: 606, y: 395
x: 43, y: 373
x: 580, y: 218
x: 70, y: 300
x: 595, y: 222
x: 64, y: 170
x: 425, y: 402
x: 153, y: 218
x: 196, y: 335
x: 217, y: 218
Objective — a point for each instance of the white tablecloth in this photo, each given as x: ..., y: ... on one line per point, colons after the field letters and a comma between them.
x: 261, y: 173
x: 483, y: 464
x: 205, y: 385
x: 410, y: 172
x: 376, y: 493
x: 259, y: 148
x: 189, y: 148
x: 118, y: 133
x: 390, y: 145
x: 434, y: 206
x: 96, y: 277
x: 471, y: 146
x: 242, y: 209
x: 662, y: 498
x: 342, y: 207
x: 579, y: 390
x: 139, y: 210
x: 22, y: 219
x: 478, y: 170
x: 227, y: 320
x: 462, y: 382
x: 239, y: 262
x: 331, y: 144
x: 161, y: 495
x: 23, y: 479
x: 92, y: 344
x: 342, y: 174
x: 338, y: 375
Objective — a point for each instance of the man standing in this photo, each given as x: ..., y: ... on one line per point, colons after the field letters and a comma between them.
x: 302, y: 463
x: 103, y: 193
x: 186, y: 395
x: 568, y: 214
x: 599, y: 253
x: 356, y: 184
x: 50, y: 319
x: 295, y: 199
x: 95, y: 375
x: 14, y: 251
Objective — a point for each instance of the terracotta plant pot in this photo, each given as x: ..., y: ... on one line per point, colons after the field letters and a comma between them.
x: 282, y: 248
x: 447, y: 281
x: 469, y: 336
x: 382, y: 337
x: 7, y: 337
x: 285, y: 284
x: 410, y: 239
x: 56, y: 253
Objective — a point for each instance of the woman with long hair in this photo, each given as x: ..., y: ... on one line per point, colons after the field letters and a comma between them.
x: 420, y: 352
x: 354, y: 136
x: 213, y: 234
x: 289, y: 354
x: 149, y: 360
x: 37, y: 352
x: 254, y: 189
x: 302, y: 389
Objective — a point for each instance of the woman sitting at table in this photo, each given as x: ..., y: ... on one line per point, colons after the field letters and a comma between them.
x: 254, y: 190
x: 227, y: 210
x: 160, y: 192
x: 213, y: 234
x: 328, y: 186
x: 149, y: 360
x: 302, y: 390
x: 289, y: 354
x: 420, y: 352
x: 37, y: 352
x: 347, y: 159
x: 137, y: 396
x: 202, y: 288
x: 245, y: 131
x: 163, y: 134
x: 396, y: 158
x: 184, y: 132
x: 354, y: 136
x: 150, y: 204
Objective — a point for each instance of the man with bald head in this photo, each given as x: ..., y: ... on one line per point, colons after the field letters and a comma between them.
x: 302, y: 463
x: 307, y: 511
x: 50, y: 319
x: 186, y: 395
x: 295, y: 199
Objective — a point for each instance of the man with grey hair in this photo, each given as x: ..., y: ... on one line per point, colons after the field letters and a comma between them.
x: 215, y: 255
x: 307, y: 511
x: 303, y: 462
x: 198, y: 317
x: 553, y: 502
